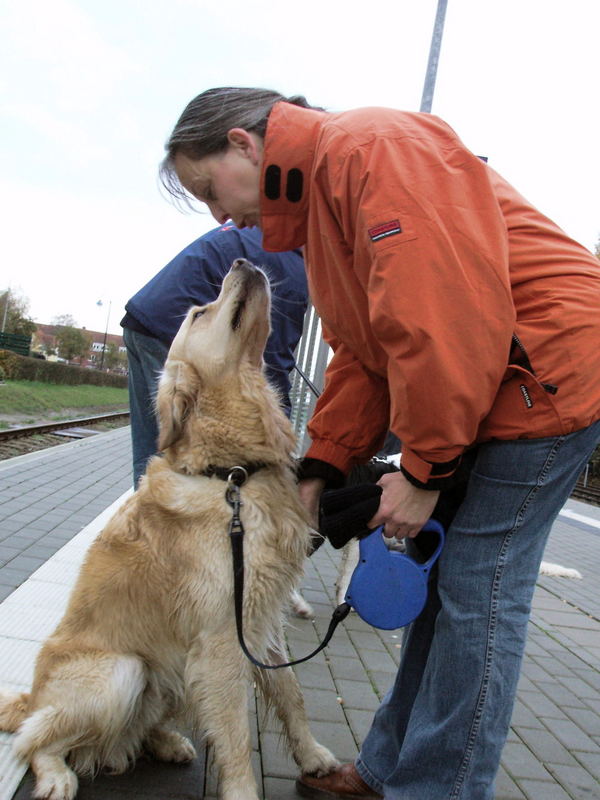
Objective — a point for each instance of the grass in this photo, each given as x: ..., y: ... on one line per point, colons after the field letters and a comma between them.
x: 48, y: 400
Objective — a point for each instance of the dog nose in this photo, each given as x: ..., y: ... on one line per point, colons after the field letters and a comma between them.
x: 242, y: 263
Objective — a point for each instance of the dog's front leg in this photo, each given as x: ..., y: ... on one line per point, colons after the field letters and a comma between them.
x: 348, y: 561
x: 54, y: 779
x: 281, y: 691
x: 217, y: 680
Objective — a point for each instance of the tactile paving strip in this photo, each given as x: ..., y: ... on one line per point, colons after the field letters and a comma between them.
x: 27, y: 617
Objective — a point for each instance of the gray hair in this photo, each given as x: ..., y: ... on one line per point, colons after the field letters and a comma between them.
x: 202, y: 128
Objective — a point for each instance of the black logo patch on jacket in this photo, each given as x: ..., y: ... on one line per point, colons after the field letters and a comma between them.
x: 384, y: 230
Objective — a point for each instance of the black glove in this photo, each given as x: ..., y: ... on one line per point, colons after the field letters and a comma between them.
x: 344, y: 513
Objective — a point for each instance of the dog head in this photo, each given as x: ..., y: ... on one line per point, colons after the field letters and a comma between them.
x: 214, y: 370
x: 216, y: 338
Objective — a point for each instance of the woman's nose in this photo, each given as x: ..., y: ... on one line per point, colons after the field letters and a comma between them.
x: 218, y: 213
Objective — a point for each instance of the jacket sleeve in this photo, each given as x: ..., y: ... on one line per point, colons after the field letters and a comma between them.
x: 431, y: 252
x: 351, y: 416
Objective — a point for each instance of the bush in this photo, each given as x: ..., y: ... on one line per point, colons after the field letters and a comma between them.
x: 23, y: 368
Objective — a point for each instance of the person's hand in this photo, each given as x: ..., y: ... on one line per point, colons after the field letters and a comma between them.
x: 403, y: 508
x: 310, y: 491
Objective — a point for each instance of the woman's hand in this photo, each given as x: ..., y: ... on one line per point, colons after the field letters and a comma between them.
x: 403, y: 508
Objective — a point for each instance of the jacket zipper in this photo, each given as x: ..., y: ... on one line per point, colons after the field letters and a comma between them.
x: 526, y: 363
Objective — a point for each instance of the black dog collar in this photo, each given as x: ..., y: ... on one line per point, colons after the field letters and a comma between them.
x: 238, y: 474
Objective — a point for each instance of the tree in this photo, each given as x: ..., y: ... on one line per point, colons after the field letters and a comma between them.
x: 70, y: 341
x: 14, y: 314
x: 597, y: 248
x: 65, y: 321
x: 113, y: 357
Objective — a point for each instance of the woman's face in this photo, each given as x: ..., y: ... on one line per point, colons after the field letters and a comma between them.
x: 229, y: 181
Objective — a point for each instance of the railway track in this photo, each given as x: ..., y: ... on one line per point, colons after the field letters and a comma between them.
x: 29, y: 438
x: 590, y: 494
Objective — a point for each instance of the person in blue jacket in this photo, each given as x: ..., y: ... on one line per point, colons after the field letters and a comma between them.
x: 194, y: 277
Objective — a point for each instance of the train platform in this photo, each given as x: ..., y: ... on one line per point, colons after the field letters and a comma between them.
x: 54, y: 502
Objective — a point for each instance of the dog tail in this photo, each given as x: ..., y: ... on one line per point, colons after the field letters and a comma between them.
x: 13, y: 709
x: 558, y: 571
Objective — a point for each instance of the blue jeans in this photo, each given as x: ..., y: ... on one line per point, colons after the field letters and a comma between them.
x: 146, y: 357
x: 439, y: 732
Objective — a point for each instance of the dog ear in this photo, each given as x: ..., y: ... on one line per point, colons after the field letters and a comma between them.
x: 177, y: 391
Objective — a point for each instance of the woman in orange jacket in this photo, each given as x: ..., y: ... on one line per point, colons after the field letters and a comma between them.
x: 464, y: 321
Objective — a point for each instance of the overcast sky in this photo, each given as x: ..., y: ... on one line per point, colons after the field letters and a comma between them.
x: 90, y: 90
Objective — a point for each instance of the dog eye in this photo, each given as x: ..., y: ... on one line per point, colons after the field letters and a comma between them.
x: 198, y: 314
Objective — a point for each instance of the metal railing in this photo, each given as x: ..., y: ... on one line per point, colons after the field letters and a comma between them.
x: 312, y: 355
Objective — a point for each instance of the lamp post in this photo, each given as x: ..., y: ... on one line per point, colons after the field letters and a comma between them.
x: 6, y: 302
x: 434, y: 56
x: 105, y: 332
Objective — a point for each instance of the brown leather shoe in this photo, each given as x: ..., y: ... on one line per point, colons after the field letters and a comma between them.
x: 344, y: 782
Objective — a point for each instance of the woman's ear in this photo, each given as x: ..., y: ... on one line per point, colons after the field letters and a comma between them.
x: 249, y: 144
x: 177, y: 391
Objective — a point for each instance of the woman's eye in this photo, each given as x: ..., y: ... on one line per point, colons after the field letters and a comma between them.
x: 198, y: 314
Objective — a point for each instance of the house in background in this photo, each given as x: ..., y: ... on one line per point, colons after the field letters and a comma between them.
x: 46, y: 340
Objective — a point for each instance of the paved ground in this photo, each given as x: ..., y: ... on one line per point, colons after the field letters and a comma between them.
x: 49, y: 507
x: 49, y: 496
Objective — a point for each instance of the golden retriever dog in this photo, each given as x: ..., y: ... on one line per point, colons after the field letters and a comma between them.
x: 149, y: 633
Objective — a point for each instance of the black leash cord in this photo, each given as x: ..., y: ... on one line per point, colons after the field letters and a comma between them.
x: 308, y: 381
x: 236, y: 535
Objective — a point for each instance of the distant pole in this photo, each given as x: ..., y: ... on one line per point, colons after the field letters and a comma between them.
x: 434, y: 57
x: 105, y: 335
x: 6, y: 302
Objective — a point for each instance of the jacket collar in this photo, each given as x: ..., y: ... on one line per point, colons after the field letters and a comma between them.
x: 289, y: 149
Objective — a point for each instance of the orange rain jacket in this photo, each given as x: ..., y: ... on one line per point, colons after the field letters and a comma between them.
x: 457, y: 312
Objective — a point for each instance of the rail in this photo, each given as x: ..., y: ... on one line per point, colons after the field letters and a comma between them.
x: 31, y: 430
x: 591, y: 494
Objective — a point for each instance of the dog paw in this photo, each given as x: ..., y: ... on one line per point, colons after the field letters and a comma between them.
x: 300, y: 608
x: 171, y: 746
x: 61, y: 786
x: 318, y: 761
x: 239, y: 794
x: 184, y: 752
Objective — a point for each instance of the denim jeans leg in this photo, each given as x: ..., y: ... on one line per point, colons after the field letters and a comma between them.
x: 459, y: 695
x: 146, y: 357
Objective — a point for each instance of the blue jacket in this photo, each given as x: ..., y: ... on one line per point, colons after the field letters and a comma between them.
x: 194, y: 277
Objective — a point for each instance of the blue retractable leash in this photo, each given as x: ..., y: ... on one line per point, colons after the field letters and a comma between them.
x: 389, y: 589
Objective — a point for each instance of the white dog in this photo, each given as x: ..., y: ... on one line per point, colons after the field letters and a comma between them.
x: 149, y: 631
